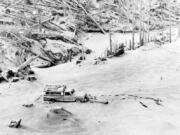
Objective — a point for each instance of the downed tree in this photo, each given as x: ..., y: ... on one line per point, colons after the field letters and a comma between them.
x: 25, y: 64
x: 90, y: 16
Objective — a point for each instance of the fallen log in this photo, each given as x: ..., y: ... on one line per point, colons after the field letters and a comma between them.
x: 99, y: 101
x: 26, y: 63
x: 42, y: 57
x: 89, y: 16
x: 54, y: 36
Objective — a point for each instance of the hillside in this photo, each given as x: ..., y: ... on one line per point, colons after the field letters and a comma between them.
x: 37, y: 28
x: 89, y: 67
x: 132, y: 84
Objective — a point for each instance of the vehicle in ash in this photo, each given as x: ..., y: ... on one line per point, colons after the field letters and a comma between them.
x: 58, y: 93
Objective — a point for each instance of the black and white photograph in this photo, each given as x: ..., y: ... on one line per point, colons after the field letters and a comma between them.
x: 89, y: 67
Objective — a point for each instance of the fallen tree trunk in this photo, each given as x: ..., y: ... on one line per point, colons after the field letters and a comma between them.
x: 54, y: 36
x: 90, y: 16
x: 26, y: 63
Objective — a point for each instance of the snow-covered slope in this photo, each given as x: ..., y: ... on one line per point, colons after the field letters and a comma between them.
x: 142, y: 88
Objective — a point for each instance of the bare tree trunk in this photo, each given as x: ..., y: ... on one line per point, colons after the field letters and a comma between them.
x: 179, y: 31
x: 110, y: 42
x: 170, y: 34
x: 26, y: 63
x: 133, y: 43
x: 140, y: 29
x: 149, y: 21
x: 161, y: 16
x: 130, y: 46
